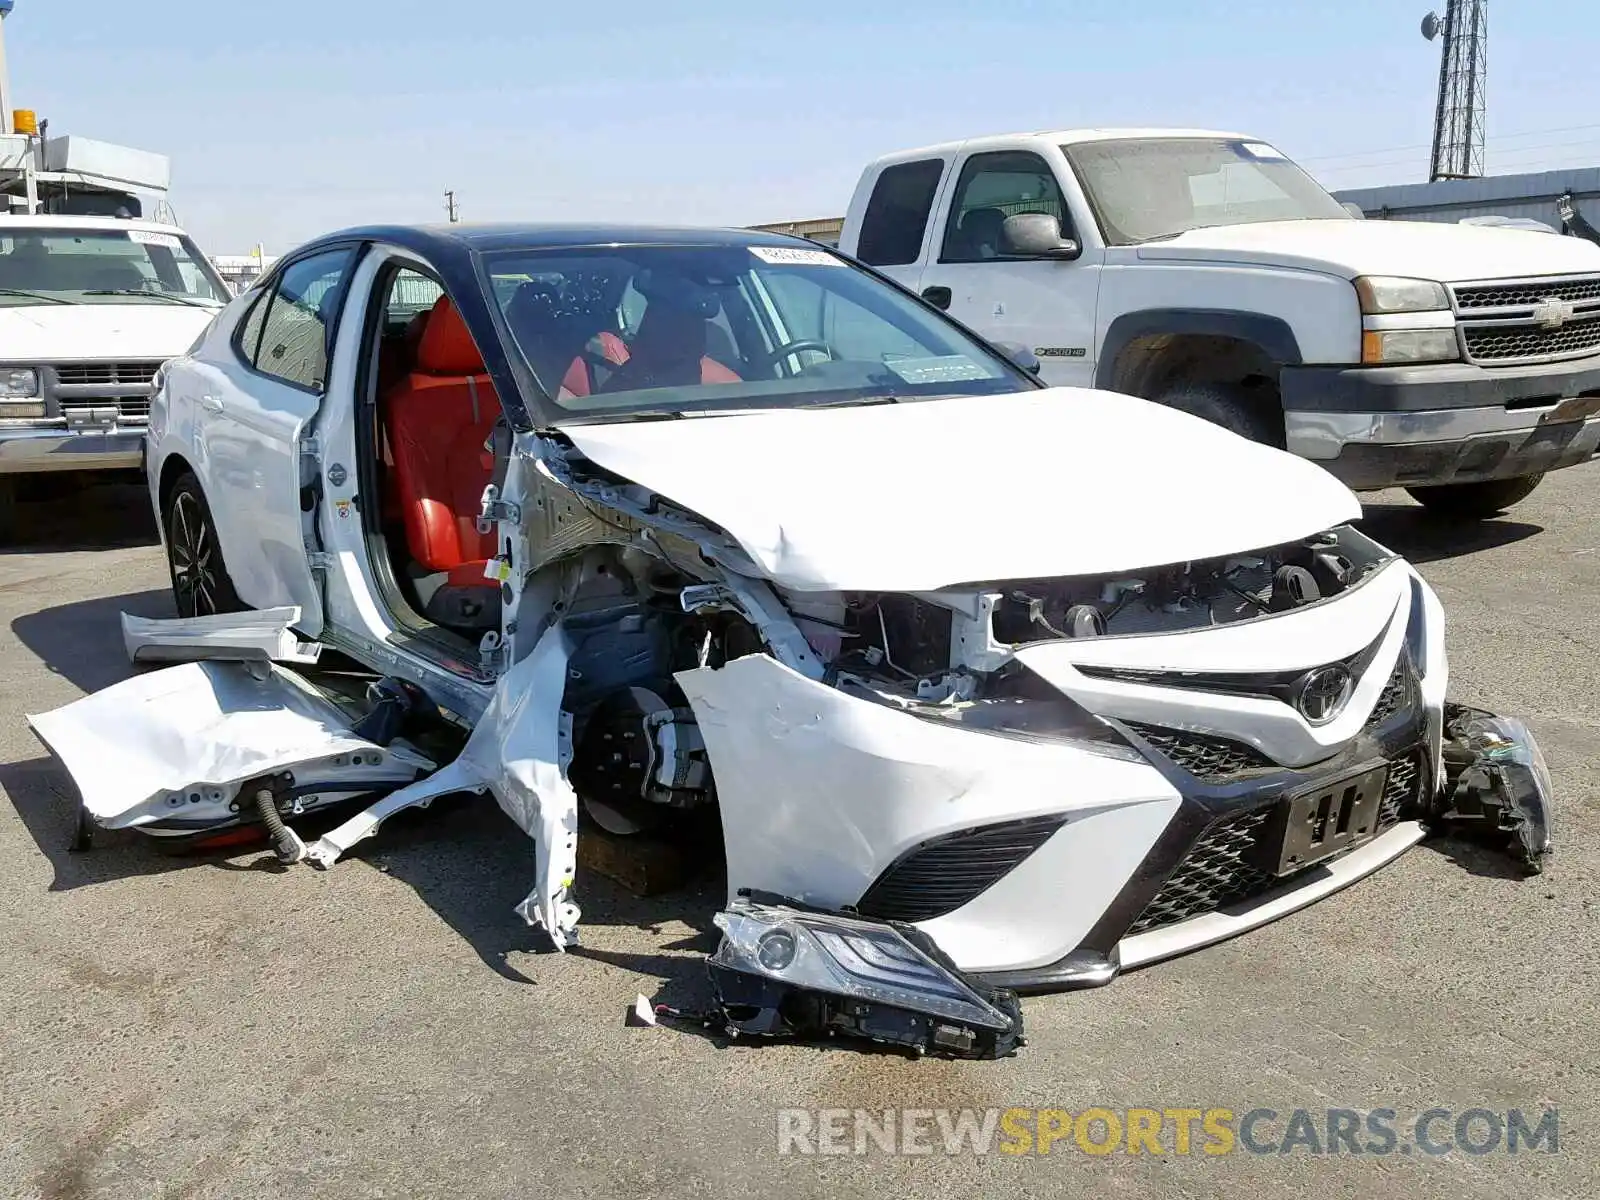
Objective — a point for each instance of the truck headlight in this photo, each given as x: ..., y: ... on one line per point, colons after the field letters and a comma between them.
x: 18, y: 383
x: 1387, y: 294
x: 1409, y: 346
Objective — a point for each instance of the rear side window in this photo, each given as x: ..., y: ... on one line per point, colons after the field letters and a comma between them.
x: 294, y: 341
x: 992, y: 187
x: 897, y: 213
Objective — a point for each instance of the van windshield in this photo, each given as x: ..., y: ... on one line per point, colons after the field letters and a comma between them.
x: 1143, y: 189
x: 104, y: 266
x: 610, y: 331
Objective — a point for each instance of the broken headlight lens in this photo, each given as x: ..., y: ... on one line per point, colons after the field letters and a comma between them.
x: 1499, y: 783
x: 785, y: 970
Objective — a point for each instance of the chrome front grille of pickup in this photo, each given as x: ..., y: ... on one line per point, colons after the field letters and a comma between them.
x: 1507, y: 322
x: 99, y: 394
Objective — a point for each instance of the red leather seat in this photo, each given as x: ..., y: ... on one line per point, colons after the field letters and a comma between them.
x: 580, y: 379
x: 440, y: 418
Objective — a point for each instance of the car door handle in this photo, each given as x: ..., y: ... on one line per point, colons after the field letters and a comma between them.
x: 211, y: 403
x: 939, y: 297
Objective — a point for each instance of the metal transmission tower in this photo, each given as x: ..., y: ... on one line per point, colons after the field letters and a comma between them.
x: 1463, y: 74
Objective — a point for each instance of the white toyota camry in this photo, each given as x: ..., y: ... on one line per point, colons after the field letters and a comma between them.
x: 1060, y: 681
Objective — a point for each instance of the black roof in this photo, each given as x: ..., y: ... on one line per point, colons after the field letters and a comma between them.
x: 532, y: 236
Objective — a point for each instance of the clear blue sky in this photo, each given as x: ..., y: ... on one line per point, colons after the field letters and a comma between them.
x: 285, y: 120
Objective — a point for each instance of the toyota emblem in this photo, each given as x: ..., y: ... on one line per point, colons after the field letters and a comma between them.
x: 1323, y: 693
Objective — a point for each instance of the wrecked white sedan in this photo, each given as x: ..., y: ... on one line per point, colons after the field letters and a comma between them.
x: 993, y: 686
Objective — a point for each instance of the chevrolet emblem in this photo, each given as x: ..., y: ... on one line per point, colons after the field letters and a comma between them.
x: 1552, y: 312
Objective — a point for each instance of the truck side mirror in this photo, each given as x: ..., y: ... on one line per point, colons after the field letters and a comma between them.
x: 1037, y: 235
x: 1020, y: 356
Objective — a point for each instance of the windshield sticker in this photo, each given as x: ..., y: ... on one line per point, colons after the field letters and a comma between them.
x: 1261, y: 150
x: 948, y: 368
x: 145, y: 238
x: 788, y: 256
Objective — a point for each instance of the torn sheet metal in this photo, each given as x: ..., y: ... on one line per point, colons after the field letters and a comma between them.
x: 171, y: 748
x: 519, y: 751
x: 263, y: 636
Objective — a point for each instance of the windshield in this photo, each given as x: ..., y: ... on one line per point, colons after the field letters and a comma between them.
x: 104, y: 266
x: 1142, y: 189
x: 610, y: 331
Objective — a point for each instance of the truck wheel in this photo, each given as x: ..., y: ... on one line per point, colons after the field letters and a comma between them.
x: 8, y: 509
x: 1475, y: 501
x: 200, y: 582
x: 1253, y: 415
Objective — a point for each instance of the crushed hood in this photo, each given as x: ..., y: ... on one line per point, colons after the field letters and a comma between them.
x: 45, y: 333
x: 1416, y: 249
x: 923, y: 495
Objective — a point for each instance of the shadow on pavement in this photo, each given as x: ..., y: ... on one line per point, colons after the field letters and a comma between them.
x: 1486, y: 862
x: 77, y: 511
x: 83, y: 641
x: 468, y: 862
x: 1423, y: 536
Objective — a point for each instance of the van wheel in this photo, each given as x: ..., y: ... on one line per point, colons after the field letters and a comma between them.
x: 1475, y: 501
x: 1252, y: 413
x: 200, y: 582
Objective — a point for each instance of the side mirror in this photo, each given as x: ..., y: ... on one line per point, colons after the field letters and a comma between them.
x: 1037, y: 235
x: 1020, y: 356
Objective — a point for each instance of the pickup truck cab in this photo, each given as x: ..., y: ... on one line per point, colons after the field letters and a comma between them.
x: 90, y: 307
x: 1208, y: 272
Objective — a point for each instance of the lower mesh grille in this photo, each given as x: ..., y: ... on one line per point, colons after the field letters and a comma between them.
x: 944, y: 874
x: 1392, y: 698
x: 1401, y: 790
x: 1216, y: 872
x: 1202, y: 755
x: 1220, y: 868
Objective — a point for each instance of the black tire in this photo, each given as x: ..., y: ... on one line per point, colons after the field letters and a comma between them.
x: 1253, y: 413
x: 8, y: 509
x: 1475, y: 501
x: 201, y: 585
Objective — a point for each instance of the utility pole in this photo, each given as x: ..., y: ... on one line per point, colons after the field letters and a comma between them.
x: 5, y: 78
x: 1463, y: 76
x: 450, y: 208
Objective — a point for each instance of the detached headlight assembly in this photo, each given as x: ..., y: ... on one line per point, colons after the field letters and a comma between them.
x: 1382, y: 294
x: 1497, y: 784
x: 785, y: 970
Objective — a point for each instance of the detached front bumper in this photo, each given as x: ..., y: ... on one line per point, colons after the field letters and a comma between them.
x: 29, y: 450
x: 1377, y: 427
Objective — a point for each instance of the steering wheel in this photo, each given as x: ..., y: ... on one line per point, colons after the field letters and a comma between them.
x: 771, y: 359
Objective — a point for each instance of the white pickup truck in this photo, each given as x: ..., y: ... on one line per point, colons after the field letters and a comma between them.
x: 1207, y: 271
x: 92, y: 302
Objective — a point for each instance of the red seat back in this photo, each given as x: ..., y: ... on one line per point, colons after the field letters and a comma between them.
x: 440, y: 419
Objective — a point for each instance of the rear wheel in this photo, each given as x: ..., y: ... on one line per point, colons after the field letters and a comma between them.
x: 1251, y: 412
x: 200, y: 582
x: 1475, y: 501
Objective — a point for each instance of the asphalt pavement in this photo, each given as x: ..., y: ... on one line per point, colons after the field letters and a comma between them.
x: 215, y: 1027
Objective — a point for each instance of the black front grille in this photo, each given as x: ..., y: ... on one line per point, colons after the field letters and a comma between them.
x: 83, y: 374
x: 943, y: 874
x: 1500, y: 343
x: 1527, y: 292
x: 129, y: 408
x: 1401, y: 791
x: 1203, y: 755
x: 1222, y: 867
x: 1393, y: 697
x: 1219, y: 870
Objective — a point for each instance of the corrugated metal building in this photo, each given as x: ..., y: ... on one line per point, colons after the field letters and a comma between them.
x: 1533, y: 196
